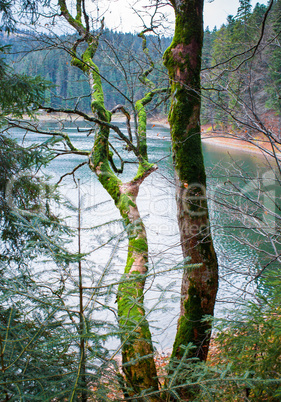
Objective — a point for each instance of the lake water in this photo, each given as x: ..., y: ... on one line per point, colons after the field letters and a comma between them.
x: 104, y: 241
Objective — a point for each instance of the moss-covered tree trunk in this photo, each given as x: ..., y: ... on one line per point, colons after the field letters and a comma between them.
x: 137, y: 350
x: 199, y: 286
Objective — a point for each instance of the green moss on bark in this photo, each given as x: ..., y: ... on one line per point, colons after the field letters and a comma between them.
x: 124, y: 203
x: 183, y: 61
x: 137, y: 350
x: 190, y: 327
x: 139, y: 245
x: 142, y: 169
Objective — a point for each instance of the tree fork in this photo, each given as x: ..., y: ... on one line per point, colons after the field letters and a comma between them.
x: 137, y: 349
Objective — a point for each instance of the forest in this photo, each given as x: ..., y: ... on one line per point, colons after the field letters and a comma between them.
x: 54, y: 64
x: 140, y: 204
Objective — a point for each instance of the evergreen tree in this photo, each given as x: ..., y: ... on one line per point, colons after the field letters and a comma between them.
x: 274, y: 85
x: 244, y: 10
x: 19, y: 94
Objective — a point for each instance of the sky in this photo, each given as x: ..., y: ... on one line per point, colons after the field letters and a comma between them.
x: 119, y: 15
x: 215, y: 13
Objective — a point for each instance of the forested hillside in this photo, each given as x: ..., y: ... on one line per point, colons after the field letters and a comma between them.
x: 257, y: 80
x: 70, y: 87
x: 242, y: 66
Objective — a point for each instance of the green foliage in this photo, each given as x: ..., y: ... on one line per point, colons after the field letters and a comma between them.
x: 35, y: 362
x: 70, y: 87
x: 7, y: 20
x: 8, y: 8
x: 274, y: 84
x: 39, y: 337
x: 249, y: 347
x: 27, y: 224
x: 39, y: 321
x: 242, y: 71
x: 19, y: 94
x: 244, y: 10
x: 245, y: 358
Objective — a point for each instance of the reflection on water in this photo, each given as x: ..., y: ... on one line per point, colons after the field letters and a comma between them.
x: 103, y: 237
x: 244, y: 201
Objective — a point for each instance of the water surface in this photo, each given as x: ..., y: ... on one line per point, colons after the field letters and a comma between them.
x: 104, y: 240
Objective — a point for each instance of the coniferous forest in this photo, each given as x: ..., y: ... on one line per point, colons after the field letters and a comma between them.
x: 234, y: 41
x: 140, y: 204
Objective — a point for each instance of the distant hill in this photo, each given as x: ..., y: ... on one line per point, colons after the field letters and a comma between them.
x: 119, y: 57
x: 233, y: 85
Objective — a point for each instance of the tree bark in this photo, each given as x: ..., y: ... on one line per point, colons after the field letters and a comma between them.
x: 199, y: 286
x: 137, y: 349
x: 136, y: 337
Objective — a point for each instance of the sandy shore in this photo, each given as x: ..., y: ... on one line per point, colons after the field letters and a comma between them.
x: 231, y: 143
x: 219, y: 139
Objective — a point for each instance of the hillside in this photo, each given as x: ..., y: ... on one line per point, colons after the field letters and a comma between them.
x: 238, y: 77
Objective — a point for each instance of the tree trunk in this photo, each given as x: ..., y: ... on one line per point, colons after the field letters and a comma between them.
x: 136, y: 336
x: 199, y: 286
x: 137, y: 349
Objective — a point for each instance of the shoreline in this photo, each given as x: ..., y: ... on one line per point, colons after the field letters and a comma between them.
x: 232, y: 143
x: 214, y: 139
x: 262, y: 148
x: 219, y: 139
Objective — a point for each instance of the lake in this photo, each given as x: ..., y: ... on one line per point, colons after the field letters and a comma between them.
x: 240, y: 228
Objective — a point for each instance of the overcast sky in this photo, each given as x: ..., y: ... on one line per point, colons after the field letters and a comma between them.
x: 215, y: 13
x: 119, y: 14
